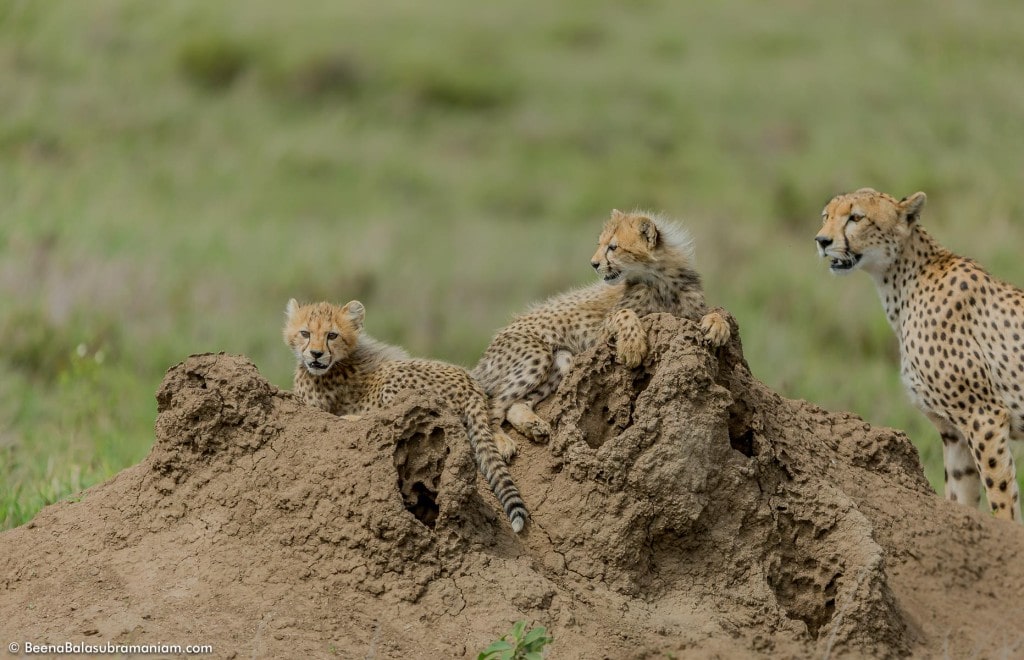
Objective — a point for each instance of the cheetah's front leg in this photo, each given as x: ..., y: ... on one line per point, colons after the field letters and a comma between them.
x: 962, y: 483
x: 987, y: 435
x: 630, y: 337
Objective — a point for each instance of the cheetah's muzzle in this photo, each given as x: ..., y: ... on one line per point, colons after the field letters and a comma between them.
x: 316, y: 366
x: 842, y: 264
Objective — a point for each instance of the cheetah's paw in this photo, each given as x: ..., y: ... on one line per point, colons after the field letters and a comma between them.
x: 715, y: 328
x: 506, y: 445
x: 631, y: 352
x: 524, y: 420
x: 537, y: 430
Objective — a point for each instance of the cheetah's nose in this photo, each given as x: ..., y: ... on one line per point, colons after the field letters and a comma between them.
x: 823, y: 241
x: 316, y: 354
x: 595, y: 264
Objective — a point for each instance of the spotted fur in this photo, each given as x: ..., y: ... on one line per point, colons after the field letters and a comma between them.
x: 960, y: 331
x: 645, y: 262
x: 344, y: 371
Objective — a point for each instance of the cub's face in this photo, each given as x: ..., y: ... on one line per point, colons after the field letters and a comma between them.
x: 866, y: 229
x: 626, y: 247
x: 321, y: 334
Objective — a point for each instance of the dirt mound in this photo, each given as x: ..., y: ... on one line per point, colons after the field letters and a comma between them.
x: 681, y: 508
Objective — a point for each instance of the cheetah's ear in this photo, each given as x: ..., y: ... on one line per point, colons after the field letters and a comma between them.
x: 648, y: 230
x: 355, y: 312
x: 910, y: 207
x: 291, y: 308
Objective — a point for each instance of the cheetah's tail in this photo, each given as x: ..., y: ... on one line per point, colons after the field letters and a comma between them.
x: 492, y: 465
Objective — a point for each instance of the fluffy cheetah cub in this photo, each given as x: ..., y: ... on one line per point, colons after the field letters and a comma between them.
x: 645, y: 262
x: 344, y: 371
x: 960, y: 332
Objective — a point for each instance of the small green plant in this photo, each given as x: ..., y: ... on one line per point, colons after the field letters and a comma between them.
x: 212, y: 61
x: 518, y: 644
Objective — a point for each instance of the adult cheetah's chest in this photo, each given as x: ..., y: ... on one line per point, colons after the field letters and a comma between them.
x: 951, y: 364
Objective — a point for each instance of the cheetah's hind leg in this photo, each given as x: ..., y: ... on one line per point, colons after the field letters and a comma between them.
x: 521, y: 414
x: 506, y: 445
x: 523, y: 419
x: 516, y: 365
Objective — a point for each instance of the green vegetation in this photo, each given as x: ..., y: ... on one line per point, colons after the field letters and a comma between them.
x: 518, y: 644
x: 211, y: 61
x: 171, y: 173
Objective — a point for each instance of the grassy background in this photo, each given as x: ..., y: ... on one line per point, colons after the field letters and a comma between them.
x: 171, y: 173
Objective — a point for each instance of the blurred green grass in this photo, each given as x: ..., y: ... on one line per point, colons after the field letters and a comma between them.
x: 172, y: 173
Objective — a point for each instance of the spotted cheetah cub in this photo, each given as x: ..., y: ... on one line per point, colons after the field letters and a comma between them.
x: 960, y: 334
x: 344, y: 371
x: 645, y: 262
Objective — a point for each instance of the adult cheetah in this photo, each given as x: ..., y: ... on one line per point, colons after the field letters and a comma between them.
x: 960, y: 334
x: 645, y: 262
x: 344, y: 371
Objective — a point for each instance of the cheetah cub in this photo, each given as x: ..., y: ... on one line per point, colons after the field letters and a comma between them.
x: 645, y: 262
x: 344, y: 371
x: 960, y: 334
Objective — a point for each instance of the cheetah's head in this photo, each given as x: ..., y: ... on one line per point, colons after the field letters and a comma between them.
x: 632, y: 245
x: 866, y: 229
x: 321, y: 334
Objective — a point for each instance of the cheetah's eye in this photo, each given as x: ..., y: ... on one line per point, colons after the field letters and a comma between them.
x: 304, y: 333
x: 855, y: 217
x: 613, y: 248
x: 331, y: 336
